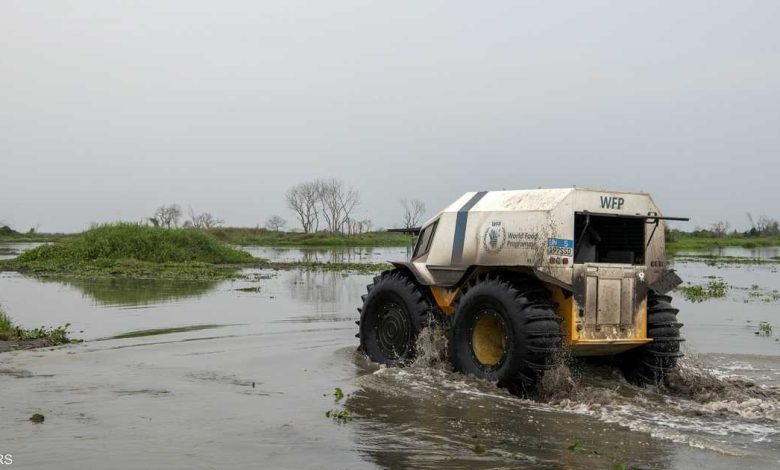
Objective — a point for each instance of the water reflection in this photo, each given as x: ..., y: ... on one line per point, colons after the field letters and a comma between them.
x: 331, y: 255
x: 13, y: 249
x: 323, y: 288
x: 763, y: 252
x: 123, y: 292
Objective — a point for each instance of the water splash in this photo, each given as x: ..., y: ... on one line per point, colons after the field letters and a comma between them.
x: 432, y: 346
x: 695, y: 381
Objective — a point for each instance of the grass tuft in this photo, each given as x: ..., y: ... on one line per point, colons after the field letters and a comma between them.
x: 715, y: 289
x: 6, y: 325
x: 134, y: 250
x: 140, y: 243
x: 11, y: 332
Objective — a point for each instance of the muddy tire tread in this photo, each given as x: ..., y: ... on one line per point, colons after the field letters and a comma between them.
x: 534, y: 323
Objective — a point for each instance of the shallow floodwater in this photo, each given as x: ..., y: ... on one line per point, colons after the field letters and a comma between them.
x: 253, y: 391
x: 12, y: 250
x: 331, y: 255
x: 762, y: 252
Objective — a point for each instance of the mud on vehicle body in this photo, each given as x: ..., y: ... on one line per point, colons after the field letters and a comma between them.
x: 519, y: 276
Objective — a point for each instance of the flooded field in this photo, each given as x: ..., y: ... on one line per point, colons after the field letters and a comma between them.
x: 337, y: 255
x: 249, y: 380
x: 763, y: 252
x: 12, y: 250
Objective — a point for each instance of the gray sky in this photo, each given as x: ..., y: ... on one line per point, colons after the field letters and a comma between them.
x: 109, y: 109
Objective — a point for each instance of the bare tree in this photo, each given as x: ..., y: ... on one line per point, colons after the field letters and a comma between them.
x: 767, y: 226
x: 367, y: 224
x: 337, y: 202
x: 275, y: 223
x: 413, y: 212
x: 167, y: 216
x: 349, y: 199
x: 204, y: 220
x: 720, y: 229
x: 355, y: 227
x: 329, y: 204
x: 302, y: 199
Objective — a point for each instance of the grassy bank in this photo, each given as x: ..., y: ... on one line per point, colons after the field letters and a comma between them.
x: 262, y: 237
x: 684, y: 241
x: 133, y: 250
x: 15, y: 337
x: 7, y: 234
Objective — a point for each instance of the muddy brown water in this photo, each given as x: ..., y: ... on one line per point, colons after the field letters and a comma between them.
x: 254, y: 391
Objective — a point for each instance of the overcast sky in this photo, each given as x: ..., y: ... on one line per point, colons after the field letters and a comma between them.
x: 109, y: 109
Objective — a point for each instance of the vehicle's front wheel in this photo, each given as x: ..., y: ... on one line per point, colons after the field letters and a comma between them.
x: 505, y: 332
x: 393, y: 314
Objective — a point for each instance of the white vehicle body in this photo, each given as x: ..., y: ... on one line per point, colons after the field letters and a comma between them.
x: 603, y: 250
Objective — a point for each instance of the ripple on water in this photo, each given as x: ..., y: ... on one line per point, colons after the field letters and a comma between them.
x: 703, y: 407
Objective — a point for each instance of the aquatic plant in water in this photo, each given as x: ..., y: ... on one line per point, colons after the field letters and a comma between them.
x: 714, y: 289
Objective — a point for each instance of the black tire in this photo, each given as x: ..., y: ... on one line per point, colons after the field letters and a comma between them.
x: 649, y: 364
x: 524, y: 309
x: 394, y: 312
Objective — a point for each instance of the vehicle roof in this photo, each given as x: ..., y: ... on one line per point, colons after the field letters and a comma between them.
x: 519, y: 200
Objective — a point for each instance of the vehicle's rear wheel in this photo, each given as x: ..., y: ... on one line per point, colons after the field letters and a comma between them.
x: 648, y: 364
x: 505, y: 332
x: 393, y: 314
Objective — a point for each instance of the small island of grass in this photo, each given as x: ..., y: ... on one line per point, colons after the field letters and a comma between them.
x: 134, y: 250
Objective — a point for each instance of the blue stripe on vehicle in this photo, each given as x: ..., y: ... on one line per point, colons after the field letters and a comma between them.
x: 460, y: 228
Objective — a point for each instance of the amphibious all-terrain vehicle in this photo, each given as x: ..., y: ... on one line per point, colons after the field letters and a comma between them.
x: 517, y: 277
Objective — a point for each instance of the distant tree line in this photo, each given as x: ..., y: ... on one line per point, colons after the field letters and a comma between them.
x: 320, y: 205
x: 763, y: 227
x: 171, y: 216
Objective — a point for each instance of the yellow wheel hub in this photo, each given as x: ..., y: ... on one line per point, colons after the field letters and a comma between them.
x: 488, y: 339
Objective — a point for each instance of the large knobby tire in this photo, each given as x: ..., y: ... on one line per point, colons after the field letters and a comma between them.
x: 505, y: 331
x: 394, y: 312
x: 648, y: 364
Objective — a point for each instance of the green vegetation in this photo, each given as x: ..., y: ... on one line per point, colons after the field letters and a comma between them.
x: 134, y: 250
x: 479, y: 448
x: 714, y: 289
x: 252, y: 289
x: 577, y: 446
x: 358, y: 268
x: 126, y: 250
x: 756, y: 293
x: 340, y: 416
x: 163, y: 331
x: 37, y: 418
x: 7, y: 234
x: 140, y: 243
x: 52, y: 336
x: 713, y: 260
x: 262, y: 237
x: 338, y: 393
x: 677, y: 241
x: 764, y: 329
x: 5, y: 324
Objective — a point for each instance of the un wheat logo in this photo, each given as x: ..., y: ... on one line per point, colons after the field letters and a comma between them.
x: 494, y: 239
